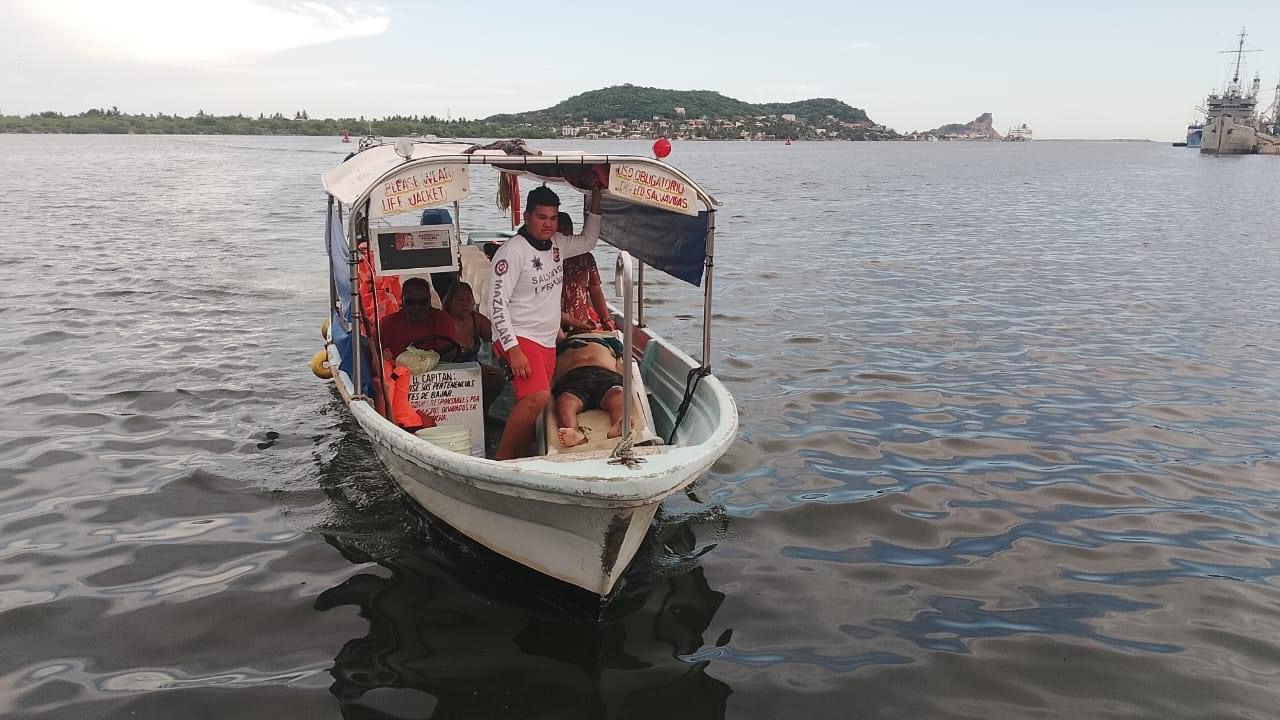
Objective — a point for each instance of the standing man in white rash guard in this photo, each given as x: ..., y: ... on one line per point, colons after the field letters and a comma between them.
x: 528, y: 272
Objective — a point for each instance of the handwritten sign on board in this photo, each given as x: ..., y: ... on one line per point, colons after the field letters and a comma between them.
x: 421, y: 187
x: 648, y: 185
x: 451, y: 395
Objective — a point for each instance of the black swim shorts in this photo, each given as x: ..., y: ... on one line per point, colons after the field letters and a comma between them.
x: 590, y: 384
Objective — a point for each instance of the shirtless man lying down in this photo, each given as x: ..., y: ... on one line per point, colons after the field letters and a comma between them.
x: 588, y: 376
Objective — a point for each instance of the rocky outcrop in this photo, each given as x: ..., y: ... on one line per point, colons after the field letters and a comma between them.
x: 977, y: 129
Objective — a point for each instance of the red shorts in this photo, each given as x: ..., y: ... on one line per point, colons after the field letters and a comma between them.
x: 542, y: 366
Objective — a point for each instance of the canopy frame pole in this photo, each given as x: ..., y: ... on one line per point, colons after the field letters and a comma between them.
x: 328, y: 251
x: 623, y: 453
x: 709, y: 263
x: 696, y: 374
x: 356, y: 315
x: 457, y: 256
x: 640, y: 294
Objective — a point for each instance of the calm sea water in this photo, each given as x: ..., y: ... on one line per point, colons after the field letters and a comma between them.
x: 1010, y: 448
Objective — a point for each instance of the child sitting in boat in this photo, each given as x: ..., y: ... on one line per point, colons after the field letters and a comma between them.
x: 588, y: 376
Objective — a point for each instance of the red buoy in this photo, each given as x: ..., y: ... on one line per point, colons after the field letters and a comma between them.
x: 661, y: 148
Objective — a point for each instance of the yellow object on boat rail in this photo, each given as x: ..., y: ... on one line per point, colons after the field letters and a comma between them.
x: 320, y: 365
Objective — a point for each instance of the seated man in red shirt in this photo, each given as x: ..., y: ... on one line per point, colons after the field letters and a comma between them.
x: 418, y: 324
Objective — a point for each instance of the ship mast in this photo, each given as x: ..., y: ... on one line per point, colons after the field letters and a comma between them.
x: 1239, y: 53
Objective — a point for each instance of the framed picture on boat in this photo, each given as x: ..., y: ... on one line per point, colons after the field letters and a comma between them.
x: 415, y: 249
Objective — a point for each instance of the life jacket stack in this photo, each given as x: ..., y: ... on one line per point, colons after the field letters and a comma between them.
x: 379, y: 297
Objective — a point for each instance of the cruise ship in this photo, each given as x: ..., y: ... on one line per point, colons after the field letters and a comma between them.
x: 1232, y: 124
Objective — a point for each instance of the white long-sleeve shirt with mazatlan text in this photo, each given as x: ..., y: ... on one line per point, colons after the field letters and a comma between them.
x: 527, y: 283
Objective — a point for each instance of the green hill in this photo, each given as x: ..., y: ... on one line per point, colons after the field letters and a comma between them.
x: 635, y: 102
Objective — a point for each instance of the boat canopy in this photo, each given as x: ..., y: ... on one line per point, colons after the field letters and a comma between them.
x: 651, y: 209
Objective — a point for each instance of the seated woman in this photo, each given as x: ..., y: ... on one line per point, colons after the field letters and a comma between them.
x: 471, y: 328
x: 582, y: 303
x: 588, y: 376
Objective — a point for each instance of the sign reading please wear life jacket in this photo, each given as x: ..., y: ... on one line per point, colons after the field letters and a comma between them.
x: 652, y: 186
x: 419, y: 188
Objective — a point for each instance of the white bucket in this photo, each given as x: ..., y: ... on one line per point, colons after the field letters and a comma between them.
x: 455, y: 438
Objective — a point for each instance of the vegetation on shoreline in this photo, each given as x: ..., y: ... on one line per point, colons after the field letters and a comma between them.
x: 631, y: 102
x: 112, y: 121
x: 623, y: 111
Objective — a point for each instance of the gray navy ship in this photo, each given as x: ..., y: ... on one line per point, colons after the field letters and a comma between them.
x: 1233, y: 125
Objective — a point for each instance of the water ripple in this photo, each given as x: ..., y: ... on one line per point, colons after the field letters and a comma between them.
x: 1008, y: 448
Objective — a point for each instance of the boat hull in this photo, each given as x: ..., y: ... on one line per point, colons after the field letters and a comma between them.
x: 1223, y: 136
x: 588, y: 547
x: 579, y: 519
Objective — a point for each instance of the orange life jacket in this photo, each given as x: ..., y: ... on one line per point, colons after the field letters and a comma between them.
x: 379, y: 297
x: 403, y: 413
x: 385, y: 290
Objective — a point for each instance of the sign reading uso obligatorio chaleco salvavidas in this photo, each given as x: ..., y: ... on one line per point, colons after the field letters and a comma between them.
x: 651, y: 186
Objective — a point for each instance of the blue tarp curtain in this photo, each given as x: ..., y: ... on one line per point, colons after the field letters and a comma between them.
x: 340, y: 271
x: 339, y: 261
x: 673, y: 243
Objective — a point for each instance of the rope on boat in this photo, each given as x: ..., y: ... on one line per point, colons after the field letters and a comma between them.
x: 622, y: 454
x: 504, y: 193
x: 690, y: 387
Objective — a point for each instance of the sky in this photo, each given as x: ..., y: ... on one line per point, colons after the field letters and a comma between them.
x: 1085, y: 69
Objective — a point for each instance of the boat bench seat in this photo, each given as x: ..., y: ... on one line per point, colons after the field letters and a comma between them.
x: 596, y: 423
x: 475, y: 272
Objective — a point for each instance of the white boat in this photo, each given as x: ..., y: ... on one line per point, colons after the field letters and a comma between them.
x: 578, y: 516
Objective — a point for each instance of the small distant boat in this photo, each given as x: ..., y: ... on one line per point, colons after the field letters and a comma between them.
x: 1194, y: 132
x: 788, y: 141
x: 346, y: 136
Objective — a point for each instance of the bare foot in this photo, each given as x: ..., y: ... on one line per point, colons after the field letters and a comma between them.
x: 615, y: 430
x: 570, y: 437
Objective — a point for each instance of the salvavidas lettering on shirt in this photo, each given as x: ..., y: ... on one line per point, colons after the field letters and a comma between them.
x: 549, y: 281
x: 526, y: 285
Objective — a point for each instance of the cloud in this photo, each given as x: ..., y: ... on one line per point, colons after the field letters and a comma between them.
x: 181, y: 32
